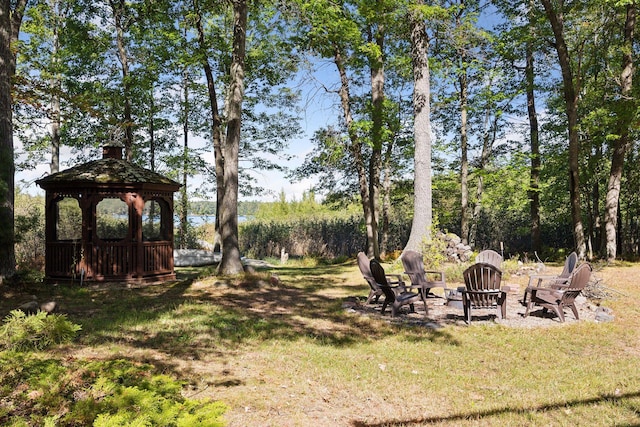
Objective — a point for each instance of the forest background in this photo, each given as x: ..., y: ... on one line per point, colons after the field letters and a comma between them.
x: 531, y: 114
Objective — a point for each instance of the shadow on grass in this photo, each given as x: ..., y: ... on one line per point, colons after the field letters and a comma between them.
x: 479, y: 415
x: 217, y: 315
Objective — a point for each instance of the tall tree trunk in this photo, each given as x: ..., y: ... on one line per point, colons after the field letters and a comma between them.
x: 10, y: 21
x: 488, y: 139
x: 230, y: 263
x: 184, y: 204
x: 534, y: 178
x: 386, y: 202
x: 490, y: 128
x: 119, y: 10
x: 375, y: 162
x: 216, y: 122
x: 620, y: 145
x: 56, y: 89
x: 571, y: 103
x: 464, y: 160
x: 422, y: 191
x: 355, y: 148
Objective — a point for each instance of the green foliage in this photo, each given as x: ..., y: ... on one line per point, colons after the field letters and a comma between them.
x: 100, y: 393
x: 69, y: 224
x: 136, y: 406
x: 29, y: 230
x: 38, y: 331
x: 307, y: 207
x: 319, y: 237
x: 434, y: 252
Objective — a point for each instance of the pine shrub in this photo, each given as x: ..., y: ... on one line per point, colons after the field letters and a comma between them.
x: 24, y: 332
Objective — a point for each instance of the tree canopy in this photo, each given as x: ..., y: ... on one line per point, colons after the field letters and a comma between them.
x: 531, y: 128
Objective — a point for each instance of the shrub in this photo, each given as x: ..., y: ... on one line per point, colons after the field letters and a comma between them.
x: 38, y: 331
x: 37, y: 389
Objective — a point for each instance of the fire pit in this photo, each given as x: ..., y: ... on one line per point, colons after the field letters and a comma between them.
x: 454, y: 297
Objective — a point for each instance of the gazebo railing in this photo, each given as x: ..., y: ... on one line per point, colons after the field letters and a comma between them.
x: 158, y: 257
x: 62, y: 259
x: 109, y: 260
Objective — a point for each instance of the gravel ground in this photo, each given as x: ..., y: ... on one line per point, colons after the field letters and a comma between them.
x: 439, y: 314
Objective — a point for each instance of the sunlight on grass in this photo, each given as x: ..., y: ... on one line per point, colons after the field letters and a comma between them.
x: 287, y: 351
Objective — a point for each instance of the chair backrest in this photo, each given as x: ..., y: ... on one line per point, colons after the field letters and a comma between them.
x: 489, y: 256
x: 414, y: 267
x: 380, y: 278
x: 569, y: 265
x: 363, y: 264
x: 482, y: 277
x: 577, y: 282
x: 412, y: 261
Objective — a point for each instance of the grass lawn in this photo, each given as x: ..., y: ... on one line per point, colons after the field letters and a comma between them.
x: 284, y: 352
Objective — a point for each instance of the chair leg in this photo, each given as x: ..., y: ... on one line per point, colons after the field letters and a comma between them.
x: 575, y: 311
x: 370, y: 297
x: 502, y: 310
x: 384, y: 306
x: 394, y: 309
x: 559, y: 310
x: 467, y: 311
x: 529, y: 307
x: 424, y: 301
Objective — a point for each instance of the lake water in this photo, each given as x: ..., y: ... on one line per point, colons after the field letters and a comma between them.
x: 198, y: 220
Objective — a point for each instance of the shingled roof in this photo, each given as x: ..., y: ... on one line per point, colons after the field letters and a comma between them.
x: 106, y: 171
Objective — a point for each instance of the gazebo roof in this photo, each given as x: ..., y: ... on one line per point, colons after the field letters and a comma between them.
x: 107, y: 172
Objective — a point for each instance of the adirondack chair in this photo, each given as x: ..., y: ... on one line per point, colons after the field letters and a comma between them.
x: 422, y: 279
x: 538, y: 280
x: 490, y: 256
x: 375, y: 290
x: 561, y: 296
x: 482, y: 290
x: 395, y: 296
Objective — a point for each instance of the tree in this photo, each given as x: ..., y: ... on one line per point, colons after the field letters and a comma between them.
x: 360, y: 39
x: 11, y: 14
x: 230, y: 263
x: 422, y: 207
x: 571, y: 100
x: 626, y: 109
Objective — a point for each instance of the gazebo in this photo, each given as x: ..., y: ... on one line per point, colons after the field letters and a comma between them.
x: 109, y: 220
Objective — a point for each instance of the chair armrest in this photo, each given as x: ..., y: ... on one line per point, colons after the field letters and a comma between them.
x: 548, y: 278
x: 488, y: 291
x: 539, y: 278
x: 394, y: 278
x: 557, y: 293
x: 437, y: 273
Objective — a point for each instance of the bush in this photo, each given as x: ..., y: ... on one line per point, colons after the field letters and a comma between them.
x: 37, y: 389
x: 22, y: 332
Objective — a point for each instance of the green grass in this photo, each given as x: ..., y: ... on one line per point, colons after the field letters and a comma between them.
x: 286, y: 353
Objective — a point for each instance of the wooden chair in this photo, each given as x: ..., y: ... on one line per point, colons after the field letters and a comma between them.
x: 395, y: 296
x: 482, y: 290
x: 561, y: 296
x: 537, y: 280
x: 422, y: 279
x: 489, y: 256
x: 375, y: 290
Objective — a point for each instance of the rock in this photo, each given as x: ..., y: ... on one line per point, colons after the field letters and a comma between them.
x: 604, y: 314
x: 30, y: 307
x: 48, y: 307
x: 581, y: 300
